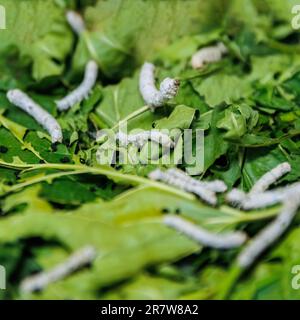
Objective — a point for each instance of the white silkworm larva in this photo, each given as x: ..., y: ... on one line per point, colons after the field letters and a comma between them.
x: 253, y: 201
x: 270, y: 234
x: 153, y: 97
x: 271, y: 177
x: 268, y: 198
x: 215, y: 186
x: 84, y: 89
x: 184, y: 184
x: 208, y: 55
x: 45, y: 119
x: 206, y: 238
x: 76, y: 261
x: 75, y: 21
x: 139, y: 139
x: 262, y: 200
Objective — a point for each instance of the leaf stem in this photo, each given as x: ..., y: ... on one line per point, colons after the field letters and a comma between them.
x: 254, y: 214
x: 131, y: 116
x: 135, y: 180
x: 241, y: 216
x: 229, y: 282
x: 41, y: 179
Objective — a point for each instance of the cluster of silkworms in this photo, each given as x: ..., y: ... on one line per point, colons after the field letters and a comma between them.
x: 153, y: 97
x: 139, y: 139
x: 271, y: 232
x: 258, y: 197
x: 205, y: 190
x: 77, y: 260
x: 45, y: 119
x: 21, y: 100
x: 208, y: 55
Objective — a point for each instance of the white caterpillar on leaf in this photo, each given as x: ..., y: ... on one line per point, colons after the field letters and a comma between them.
x: 205, y: 190
x: 84, y: 89
x: 156, y: 98
x: 215, y: 185
x: 258, y: 197
x: 208, y: 55
x: 268, y: 198
x: 76, y: 261
x: 140, y: 139
x: 44, y: 118
x: 270, y: 177
x: 75, y: 21
x: 204, y: 237
x: 271, y: 233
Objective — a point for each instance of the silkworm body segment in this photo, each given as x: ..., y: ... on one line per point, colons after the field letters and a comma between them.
x: 75, y: 21
x: 139, y: 139
x: 270, y: 234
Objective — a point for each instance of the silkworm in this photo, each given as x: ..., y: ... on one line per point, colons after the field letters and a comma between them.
x: 254, y: 201
x: 265, y: 199
x: 84, y: 89
x: 270, y: 177
x: 268, y: 198
x: 153, y: 97
x: 208, y: 55
x: 76, y: 261
x: 204, y: 237
x: 139, y: 139
x: 45, y: 119
x: 75, y: 21
x: 184, y: 184
x: 258, y: 197
x: 270, y: 234
x: 215, y: 185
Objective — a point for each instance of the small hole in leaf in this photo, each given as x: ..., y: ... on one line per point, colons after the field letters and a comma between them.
x: 3, y: 149
x: 65, y: 160
x: 177, y: 211
x: 54, y: 146
x: 222, y: 162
